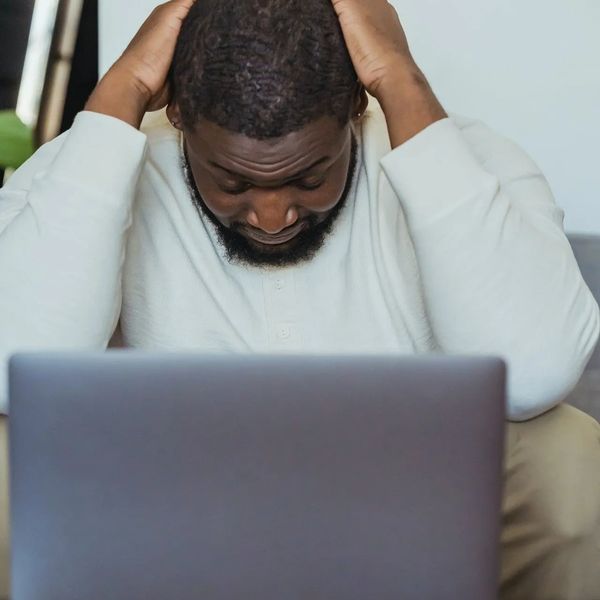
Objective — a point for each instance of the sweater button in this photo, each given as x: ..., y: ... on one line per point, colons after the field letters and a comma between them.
x: 284, y: 332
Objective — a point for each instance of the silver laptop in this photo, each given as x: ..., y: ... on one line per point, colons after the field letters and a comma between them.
x: 189, y: 477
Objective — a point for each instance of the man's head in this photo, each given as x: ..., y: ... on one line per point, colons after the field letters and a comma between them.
x: 265, y: 92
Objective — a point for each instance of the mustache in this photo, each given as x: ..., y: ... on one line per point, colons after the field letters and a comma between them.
x: 244, y: 228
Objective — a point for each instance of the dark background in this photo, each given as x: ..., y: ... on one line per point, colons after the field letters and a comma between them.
x: 15, y: 22
x: 15, y: 19
x: 84, y: 73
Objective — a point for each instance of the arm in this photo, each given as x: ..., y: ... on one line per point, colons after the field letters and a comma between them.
x: 63, y: 222
x: 498, y: 273
x: 64, y: 215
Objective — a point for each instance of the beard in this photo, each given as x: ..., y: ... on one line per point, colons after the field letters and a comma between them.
x: 302, y: 248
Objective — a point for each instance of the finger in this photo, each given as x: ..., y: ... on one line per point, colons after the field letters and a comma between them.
x: 173, y: 6
x: 181, y: 8
x: 179, y: 4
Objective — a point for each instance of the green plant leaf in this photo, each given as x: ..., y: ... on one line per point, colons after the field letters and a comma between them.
x: 16, y: 140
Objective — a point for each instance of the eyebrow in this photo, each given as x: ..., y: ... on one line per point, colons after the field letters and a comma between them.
x: 294, y: 176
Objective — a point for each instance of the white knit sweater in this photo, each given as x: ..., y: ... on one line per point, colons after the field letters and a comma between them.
x: 451, y: 242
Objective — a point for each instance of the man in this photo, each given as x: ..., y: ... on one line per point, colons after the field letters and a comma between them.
x: 285, y: 210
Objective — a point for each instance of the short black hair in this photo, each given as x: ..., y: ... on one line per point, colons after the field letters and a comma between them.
x: 262, y: 68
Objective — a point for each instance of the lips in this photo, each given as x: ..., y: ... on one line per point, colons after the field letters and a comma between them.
x: 273, y: 240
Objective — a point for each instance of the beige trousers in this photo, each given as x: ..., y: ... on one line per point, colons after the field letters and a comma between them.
x: 551, y: 515
x: 551, y: 512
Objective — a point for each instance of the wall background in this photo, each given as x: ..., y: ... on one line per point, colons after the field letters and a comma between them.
x: 529, y: 69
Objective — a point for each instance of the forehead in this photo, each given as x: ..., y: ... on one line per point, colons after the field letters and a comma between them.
x: 220, y: 150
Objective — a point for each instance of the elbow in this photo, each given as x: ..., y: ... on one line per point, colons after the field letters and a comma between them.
x: 523, y: 408
x: 537, y: 385
x: 540, y: 393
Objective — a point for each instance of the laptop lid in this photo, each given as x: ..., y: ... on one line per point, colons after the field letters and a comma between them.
x: 153, y: 476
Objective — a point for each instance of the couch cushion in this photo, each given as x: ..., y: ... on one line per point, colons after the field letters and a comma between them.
x: 586, y: 395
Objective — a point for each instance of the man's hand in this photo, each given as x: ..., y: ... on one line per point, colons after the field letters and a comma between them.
x: 137, y: 82
x: 375, y: 40
x: 381, y: 57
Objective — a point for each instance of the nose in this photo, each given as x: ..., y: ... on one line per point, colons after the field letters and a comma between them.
x: 272, y: 213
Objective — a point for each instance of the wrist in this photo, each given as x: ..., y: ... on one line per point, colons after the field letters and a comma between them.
x: 408, y: 103
x: 118, y: 95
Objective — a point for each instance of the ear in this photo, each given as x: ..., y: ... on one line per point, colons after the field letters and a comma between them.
x: 361, y: 102
x: 174, y: 115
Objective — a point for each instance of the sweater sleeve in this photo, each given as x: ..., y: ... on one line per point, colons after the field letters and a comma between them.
x: 63, y: 220
x: 499, y: 275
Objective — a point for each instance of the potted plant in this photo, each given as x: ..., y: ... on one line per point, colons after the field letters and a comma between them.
x: 16, y: 141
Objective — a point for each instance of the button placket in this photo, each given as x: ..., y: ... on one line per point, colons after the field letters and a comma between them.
x: 281, y: 312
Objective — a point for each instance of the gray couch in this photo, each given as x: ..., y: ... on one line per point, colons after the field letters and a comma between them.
x: 586, y: 395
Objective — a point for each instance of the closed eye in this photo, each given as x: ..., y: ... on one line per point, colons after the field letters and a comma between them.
x: 303, y: 185
x: 240, y: 189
